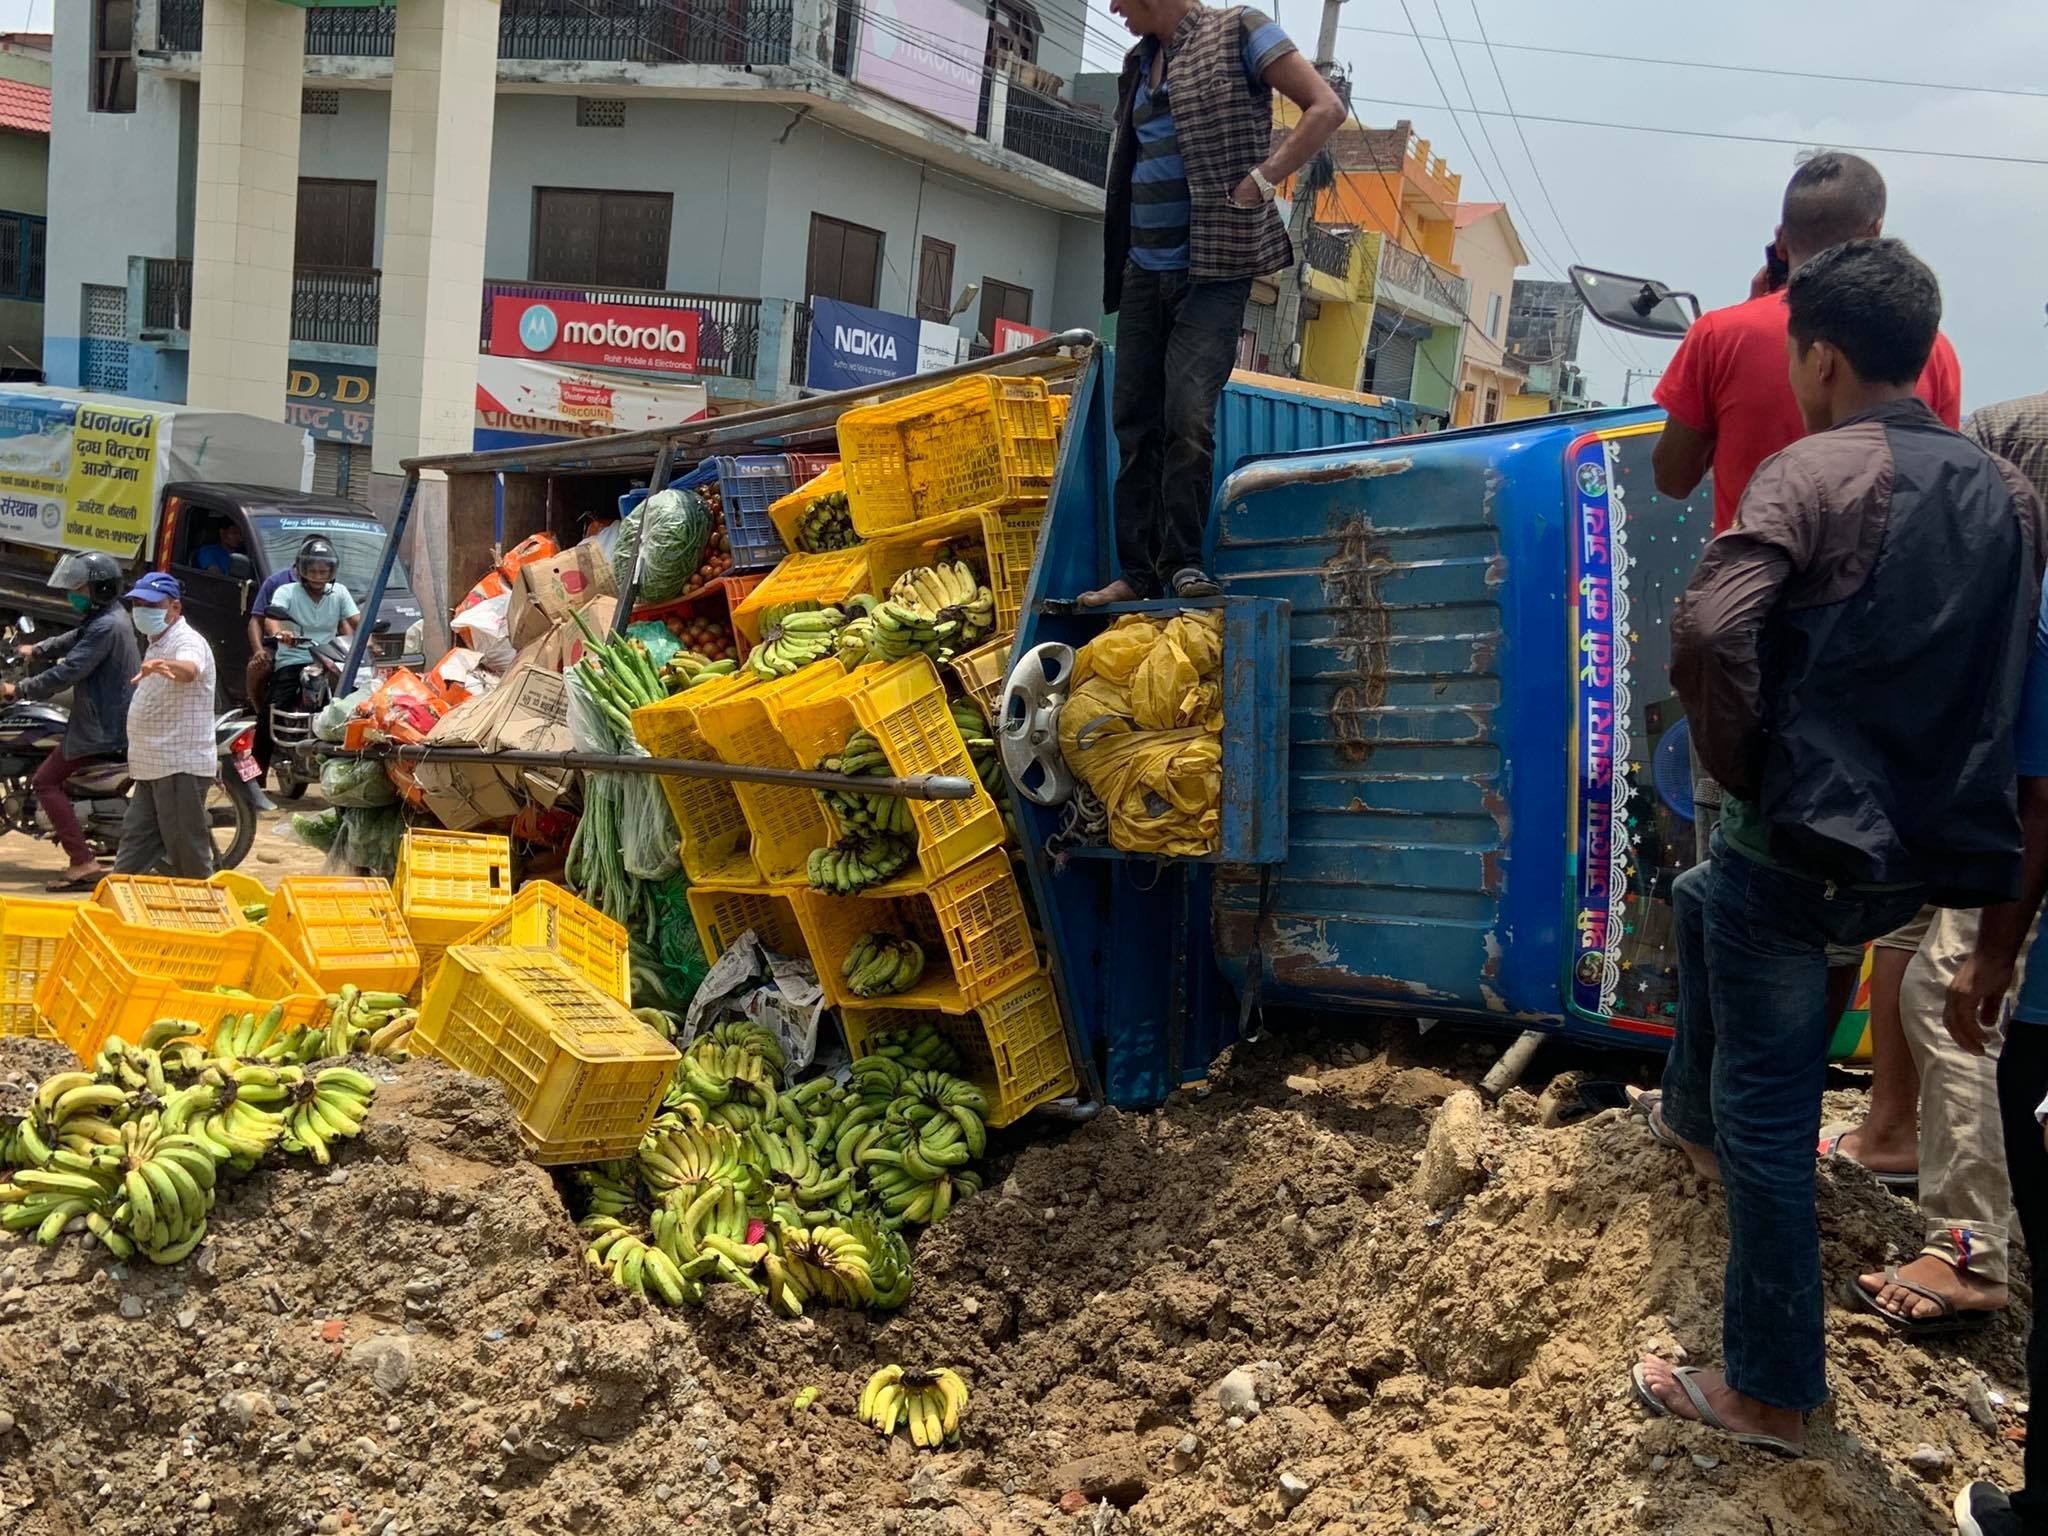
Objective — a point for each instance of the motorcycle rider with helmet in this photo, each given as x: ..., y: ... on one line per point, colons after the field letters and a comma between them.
x: 256, y: 676
x: 97, y: 661
x: 306, y: 612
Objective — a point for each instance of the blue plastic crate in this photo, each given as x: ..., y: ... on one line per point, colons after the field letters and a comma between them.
x: 748, y: 487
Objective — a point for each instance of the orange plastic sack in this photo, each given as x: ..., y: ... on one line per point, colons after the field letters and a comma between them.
x: 407, y: 696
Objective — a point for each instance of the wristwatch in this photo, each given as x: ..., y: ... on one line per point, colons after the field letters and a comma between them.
x: 1265, y: 187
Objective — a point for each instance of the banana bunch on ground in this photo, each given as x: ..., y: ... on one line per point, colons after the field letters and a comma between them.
x: 911, y: 1134
x: 670, y: 1160
x: 686, y: 669
x: 856, y: 637
x: 131, y: 1151
x: 882, y: 964
x: 637, y: 1265
x: 826, y: 524
x: 794, y: 643
x: 859, y: 860
x: 826, y: 1263
x: 728, y: 1077
x: 928, y: 1402
x: 377, y: 1022
x: 799, y: 1184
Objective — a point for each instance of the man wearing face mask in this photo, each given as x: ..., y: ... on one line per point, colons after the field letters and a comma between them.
x: 170, y: 739
x: 96, y: 661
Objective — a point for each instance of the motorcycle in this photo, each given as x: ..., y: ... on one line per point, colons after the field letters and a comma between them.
x: 98, y: 789
x: 294, y: 745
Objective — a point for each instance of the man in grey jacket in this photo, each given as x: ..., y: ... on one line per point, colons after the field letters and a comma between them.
x: 96, y: 661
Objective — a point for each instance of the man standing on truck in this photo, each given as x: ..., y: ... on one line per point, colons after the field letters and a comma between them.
x: 1862, y: 727
x: 171, y: 754
x: 1190, y: 224
x: 96, y: 661
x: 304, y: 613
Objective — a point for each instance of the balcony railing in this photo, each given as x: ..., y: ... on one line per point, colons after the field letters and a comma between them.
x: 1052, y: 132
x: 736, y: 33
x: 337, y: 305
x: 728, y: 334
x: 1419, y: 275
x: 1329, y: 250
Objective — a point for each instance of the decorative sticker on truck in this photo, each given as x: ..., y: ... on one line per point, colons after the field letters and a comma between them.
x: 74, y: 475
x: 1600, y: 728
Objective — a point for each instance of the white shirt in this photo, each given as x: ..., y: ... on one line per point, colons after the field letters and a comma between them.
x: 170, y: 724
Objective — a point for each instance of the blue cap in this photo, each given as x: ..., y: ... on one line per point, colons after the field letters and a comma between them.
x: 157, y: 587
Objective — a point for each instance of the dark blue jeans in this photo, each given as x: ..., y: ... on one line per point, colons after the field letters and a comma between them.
x: 1744, y: 1077
x: 1176, y: 342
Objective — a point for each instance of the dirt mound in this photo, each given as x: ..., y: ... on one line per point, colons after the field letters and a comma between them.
x: 1234, y: 1313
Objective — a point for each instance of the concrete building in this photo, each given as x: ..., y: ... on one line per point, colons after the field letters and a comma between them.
x: 725, y: 159
x: 1544, y: 322
x: 1486, y: 252
x: 24, y: 183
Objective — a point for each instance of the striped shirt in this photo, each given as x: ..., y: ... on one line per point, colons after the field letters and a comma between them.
x: 170, y: 724
x: 1159, y: 179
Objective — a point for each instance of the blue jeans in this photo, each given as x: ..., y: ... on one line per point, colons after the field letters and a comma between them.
x: 1744, y: 1077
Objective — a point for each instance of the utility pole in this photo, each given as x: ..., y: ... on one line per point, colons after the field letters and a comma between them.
x: 1628, y: 379
x: 1302, y: 215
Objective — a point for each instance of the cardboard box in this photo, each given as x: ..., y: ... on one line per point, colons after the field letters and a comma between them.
x: 527, y: 712
x: 561, y: 645
x: 545, y: 592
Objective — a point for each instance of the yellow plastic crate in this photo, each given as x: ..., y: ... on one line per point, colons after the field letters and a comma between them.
x: 724, y: 912
x: 245, y: 889
x: 945, y: 450
x: 448, y: 882
x: 711, y: 829
x: 159, y: 901
x: 31, y: 932
x: 828, y: 580
x: 1061, y: 405
x: 345, y: 928
x: 784, y: 824
x: 544, y: 916
x: 786, y: 512
x: 114, y: 978
x: 972, y: 924
x: 981, y: 674
x: 583, y: 1076
x: 1001, y: 540
x: 1012, y: 1048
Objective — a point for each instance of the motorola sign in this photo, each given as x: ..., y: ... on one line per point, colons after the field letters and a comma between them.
x: 642, y: 338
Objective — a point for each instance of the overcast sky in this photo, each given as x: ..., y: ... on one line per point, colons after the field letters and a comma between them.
x: 1696, y: 212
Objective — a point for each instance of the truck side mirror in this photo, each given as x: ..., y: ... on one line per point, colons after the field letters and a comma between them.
x: 240, y: 567
x: 1639, y: 305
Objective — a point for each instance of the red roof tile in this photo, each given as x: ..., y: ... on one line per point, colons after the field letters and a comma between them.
x: 24, y: 108
x: 1472, y: 213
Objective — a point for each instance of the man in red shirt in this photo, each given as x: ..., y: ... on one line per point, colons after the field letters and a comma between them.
x: 1726, y: 392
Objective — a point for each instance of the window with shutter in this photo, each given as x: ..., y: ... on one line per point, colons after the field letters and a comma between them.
x: 999, y: 301
x: 601, y: 238
x: 337, y: 224
x: 845, y: 262
x: 935, y: 281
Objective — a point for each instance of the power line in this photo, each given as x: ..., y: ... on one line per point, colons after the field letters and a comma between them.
x: 1734, y: 69
x: 1706, y: 133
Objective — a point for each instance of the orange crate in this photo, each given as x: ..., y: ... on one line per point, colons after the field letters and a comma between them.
x: 724, y: 912
x: 786, y: 512
x: 945, y: 450
x: 583, y: 1076
x: 820, y: 581
x: 544, y: 916
x: 709, y: 823
x: 114, y: 978
x: 716, y: 599
x: 448, y: 882
x: 159, y: 901
x: 981, y: 674
x: 1000, y: 540
x: 1012, y: 1048
x: 345, y: 929
x: 785, y: 823
x: 31, y: 932
x: 976, y: 938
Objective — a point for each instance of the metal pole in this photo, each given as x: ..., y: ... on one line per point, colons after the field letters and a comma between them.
x: 924, y: 786
x: 631, y: 584
x: 1301, y: 216
x: 360, y: 641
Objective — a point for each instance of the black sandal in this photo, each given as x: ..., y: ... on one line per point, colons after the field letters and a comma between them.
x: 1950, y: 1319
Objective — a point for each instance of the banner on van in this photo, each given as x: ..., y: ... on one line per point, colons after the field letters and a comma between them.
x: 74, y: 475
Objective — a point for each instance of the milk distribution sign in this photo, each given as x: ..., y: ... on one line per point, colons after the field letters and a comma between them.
x: 645, y: 338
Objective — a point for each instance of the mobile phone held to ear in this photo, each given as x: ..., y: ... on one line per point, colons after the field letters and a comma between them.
x: 1775, y: 267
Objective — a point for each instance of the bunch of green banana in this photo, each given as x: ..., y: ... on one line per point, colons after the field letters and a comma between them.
x: 72, y: 1112
x: 167, y: 1182
x: 929, y: 1402
x: 611, y: 1189
x: 904, y: 629
x: 856, y: 636
x: 256, y: 913
x: 253, y: 1036
x: 750, y: 1040
x: 827, y: 1263
x: 888, y: 1262
x: 706, y: 1230
x: 922, y: 1049
x: 858, y: 861
x: 981, y: 746
x: 826, y: 524
x: 235, y: 1110
x: 638, y: 1266
x: 676, y: 1159
x: 136, y: 1069
x: 950, y: 588
x: 796, y: 642
x: 68, y: 1187
x: 686, y: 669
x: 882, y: 964
x: 354, y: 1019
x: 329, y: 1106
x: 795, y: 1175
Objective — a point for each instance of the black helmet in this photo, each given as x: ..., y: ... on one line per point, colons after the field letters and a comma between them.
x: 102, y: 581
x: 317, y: 551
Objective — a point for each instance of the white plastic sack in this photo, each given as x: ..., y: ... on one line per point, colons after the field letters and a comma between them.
x: 485, y: 628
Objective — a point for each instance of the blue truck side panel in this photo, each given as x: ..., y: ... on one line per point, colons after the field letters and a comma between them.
x: 1429, y: 713
x: 1256, y: 421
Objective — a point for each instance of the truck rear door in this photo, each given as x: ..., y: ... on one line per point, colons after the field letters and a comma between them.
x: 207, y: 546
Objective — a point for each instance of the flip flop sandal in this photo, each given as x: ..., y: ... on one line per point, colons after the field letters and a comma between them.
x: 1685, y: 1373
x: 1831, y: 1152
x: 1647, y: 1105
x: 82, y: 883
x: 1949, y: 1320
